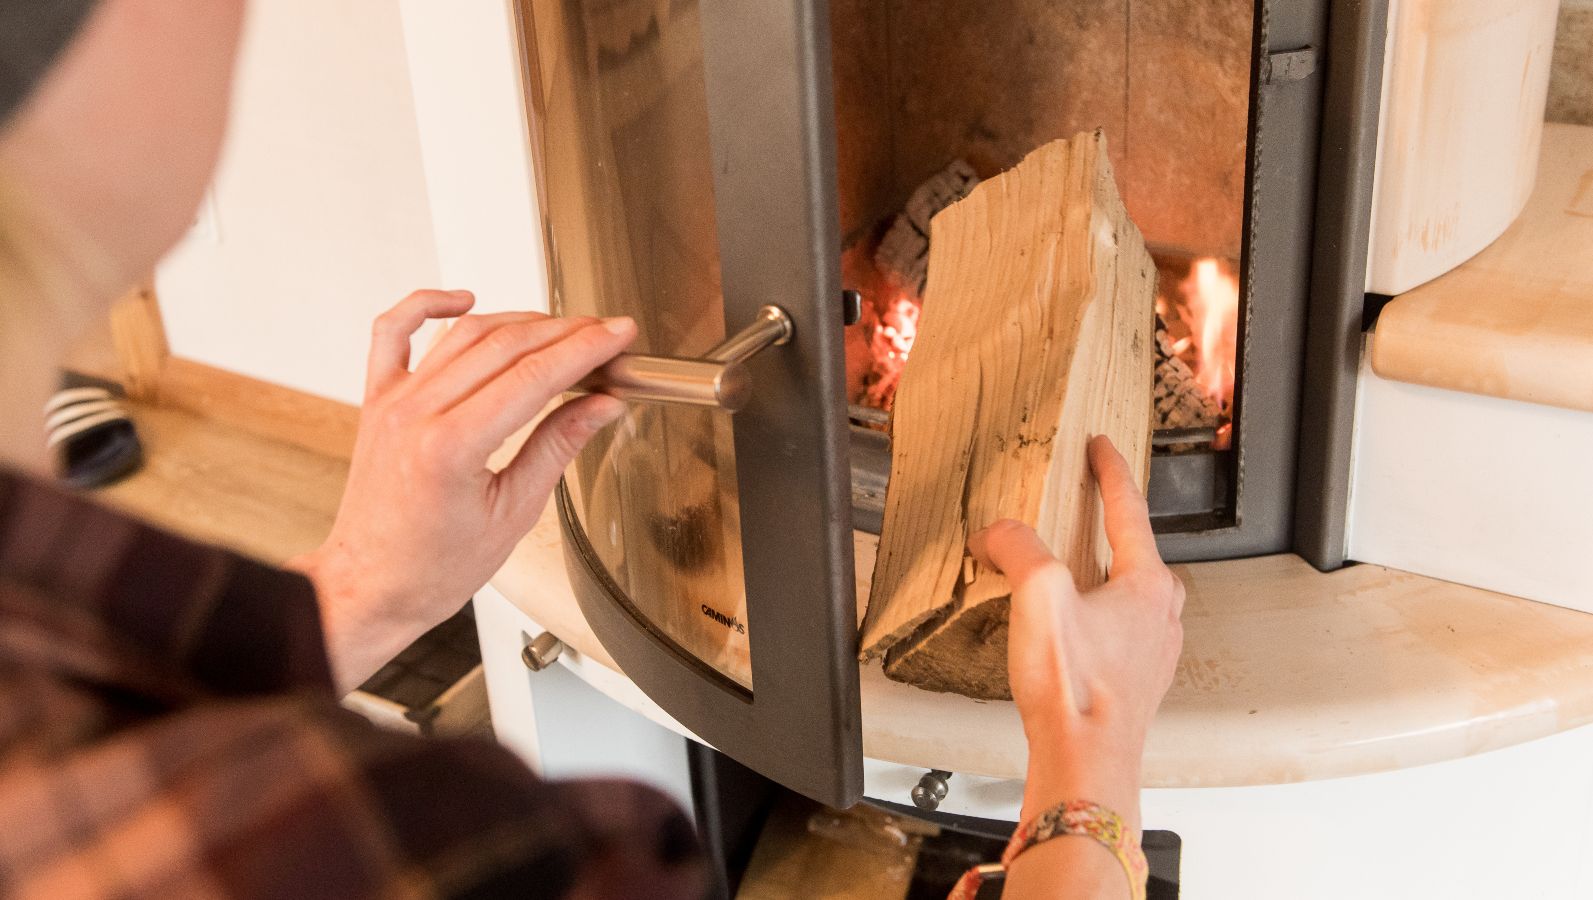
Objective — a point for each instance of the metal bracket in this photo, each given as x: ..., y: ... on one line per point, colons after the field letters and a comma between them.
x: 1288, y: 65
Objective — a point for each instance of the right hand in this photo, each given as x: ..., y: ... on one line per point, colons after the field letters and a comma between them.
x: 424, y: 522
x: 1088, y: 670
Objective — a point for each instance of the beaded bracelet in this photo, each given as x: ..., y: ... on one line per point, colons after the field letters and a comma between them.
x: 1072, y: 817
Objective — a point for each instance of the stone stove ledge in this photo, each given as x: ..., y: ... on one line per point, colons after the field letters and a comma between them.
x: 1288, y: 675
x: 1516, y: 320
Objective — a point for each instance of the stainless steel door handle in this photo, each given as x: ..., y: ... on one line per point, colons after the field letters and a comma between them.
x: 718, y: 380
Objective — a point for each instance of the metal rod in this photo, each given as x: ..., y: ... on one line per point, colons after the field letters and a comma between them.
x: 718, y: 381
x: 772, y: 328
x: 665, y: 379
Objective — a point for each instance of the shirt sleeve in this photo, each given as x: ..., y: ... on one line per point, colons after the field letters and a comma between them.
x: 370, y: 813
x: 126, y: 603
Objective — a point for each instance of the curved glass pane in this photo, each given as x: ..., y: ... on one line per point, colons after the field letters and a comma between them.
x: 628, y: 205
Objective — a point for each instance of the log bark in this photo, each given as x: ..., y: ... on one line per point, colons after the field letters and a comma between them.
x: 1038, y: 332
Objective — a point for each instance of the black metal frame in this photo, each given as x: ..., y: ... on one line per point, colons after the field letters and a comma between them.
x: 1276, y: 261
x: 1315, y: 101
x: 771, y: 126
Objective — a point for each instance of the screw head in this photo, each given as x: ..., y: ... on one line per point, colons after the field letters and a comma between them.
x: 930, y: 790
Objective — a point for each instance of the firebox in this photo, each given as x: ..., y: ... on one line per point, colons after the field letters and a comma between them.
x: 933, y: 97
x: 702, y: 163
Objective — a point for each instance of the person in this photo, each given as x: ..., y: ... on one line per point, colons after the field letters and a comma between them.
x: 168, y: 714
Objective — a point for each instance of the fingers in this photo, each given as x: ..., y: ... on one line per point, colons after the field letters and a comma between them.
x: 466, y: 332
x: 552, y: 446
x: 1013, y: 549
x: 389, y: 359
x: 516, y: 395
x: 1128, y: 527
x: 439, y: 389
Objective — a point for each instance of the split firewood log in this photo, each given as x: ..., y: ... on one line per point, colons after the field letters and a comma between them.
x: 1038, y: 331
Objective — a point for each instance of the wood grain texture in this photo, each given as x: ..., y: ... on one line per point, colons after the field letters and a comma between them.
x: 1037, y: 333
x: 222, y: 485
x: 139, y: 336
x: 1515, y: 321
x: 278, y: 413
x: 811, y: 853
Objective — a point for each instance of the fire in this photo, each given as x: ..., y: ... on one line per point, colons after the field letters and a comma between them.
x: 890, y: 345
x: 1211, y: 300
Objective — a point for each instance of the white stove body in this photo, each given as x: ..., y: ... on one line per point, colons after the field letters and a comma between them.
x: 1514, y: 824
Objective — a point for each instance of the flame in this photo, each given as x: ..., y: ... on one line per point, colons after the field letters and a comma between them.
x: 1211, y: 297
x: 897, y: 331
x: 891, y: 344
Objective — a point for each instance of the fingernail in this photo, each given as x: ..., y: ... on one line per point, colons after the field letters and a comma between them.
x: 619, y: 324
x: 462, y: 293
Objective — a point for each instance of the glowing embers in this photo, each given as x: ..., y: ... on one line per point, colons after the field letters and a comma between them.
x: 890, y: 343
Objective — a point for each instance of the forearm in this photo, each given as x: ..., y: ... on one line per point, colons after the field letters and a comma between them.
x: 360, y: 630
x: 1071, y: 867
x: 1072, y: 761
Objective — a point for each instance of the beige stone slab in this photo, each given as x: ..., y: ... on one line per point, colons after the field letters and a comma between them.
x: 1464, y: 88
x: 1288, y: 675
x: 1516, y: 320
x: 920, y: 83
x: 1188, y: 123
x: 1571, y: 73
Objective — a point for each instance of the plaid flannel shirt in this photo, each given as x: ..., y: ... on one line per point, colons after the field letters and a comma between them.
x: 168, y: 729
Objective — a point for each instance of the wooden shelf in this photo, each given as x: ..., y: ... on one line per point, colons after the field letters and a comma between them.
x: 222, y: 485
x: 1516, y: 320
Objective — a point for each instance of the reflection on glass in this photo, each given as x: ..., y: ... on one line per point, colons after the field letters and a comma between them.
x: 627, y: 196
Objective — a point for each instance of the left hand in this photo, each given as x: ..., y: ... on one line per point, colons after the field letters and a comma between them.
x: 424, y: 523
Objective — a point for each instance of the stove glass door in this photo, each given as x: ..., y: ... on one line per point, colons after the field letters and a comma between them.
x: 629, y: 203
x: 685, y: 171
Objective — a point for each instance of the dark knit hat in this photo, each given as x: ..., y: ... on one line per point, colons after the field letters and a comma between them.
x: 32, y: 34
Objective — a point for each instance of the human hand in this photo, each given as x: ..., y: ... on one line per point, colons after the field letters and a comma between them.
x: 424, y: 523
x: 1089, y: 670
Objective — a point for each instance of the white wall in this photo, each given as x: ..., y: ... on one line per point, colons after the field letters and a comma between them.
x: 475, y: 138
x: 322, y: 217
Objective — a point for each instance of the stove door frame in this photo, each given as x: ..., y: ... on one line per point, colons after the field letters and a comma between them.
x: 772, y: 132
x: 1313, y: 134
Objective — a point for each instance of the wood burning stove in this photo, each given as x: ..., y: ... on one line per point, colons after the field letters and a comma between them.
x: 701, y: 160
